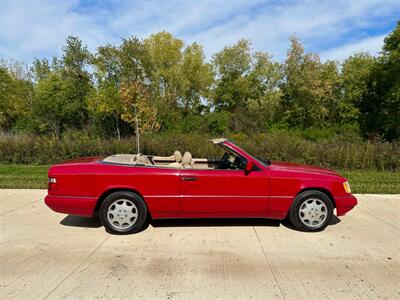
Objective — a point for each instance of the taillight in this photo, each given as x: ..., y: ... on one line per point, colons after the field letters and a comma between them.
x: 52, y: 183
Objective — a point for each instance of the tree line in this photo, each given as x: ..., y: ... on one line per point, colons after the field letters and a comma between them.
x: 171, y: 87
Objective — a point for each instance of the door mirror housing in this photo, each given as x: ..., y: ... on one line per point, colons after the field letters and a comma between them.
x: 249, y: 167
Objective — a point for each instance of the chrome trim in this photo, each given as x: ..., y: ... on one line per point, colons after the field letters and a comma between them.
x: 65, y: 196
x: 204, y: 196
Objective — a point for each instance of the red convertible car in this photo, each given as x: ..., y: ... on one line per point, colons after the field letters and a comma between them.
x: 127, y: 189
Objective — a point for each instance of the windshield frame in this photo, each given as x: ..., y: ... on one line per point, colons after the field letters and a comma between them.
x: 240, y: 151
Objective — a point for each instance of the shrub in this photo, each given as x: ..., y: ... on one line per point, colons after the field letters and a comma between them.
x: 333, y: 152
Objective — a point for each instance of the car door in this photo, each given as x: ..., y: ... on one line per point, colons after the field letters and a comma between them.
x: 223, y: 192
x: 159, y: 186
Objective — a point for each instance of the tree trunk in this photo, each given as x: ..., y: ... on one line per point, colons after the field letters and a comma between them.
x: 118, y: 130
x: 56, y: 129
x: 137, y: 135
x: 137, y: 130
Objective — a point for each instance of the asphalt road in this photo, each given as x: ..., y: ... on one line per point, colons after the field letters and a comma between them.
x: 44, y: 255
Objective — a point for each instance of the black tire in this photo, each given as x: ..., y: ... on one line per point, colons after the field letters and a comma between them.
x: 301, y: 201
x: 139, y: 207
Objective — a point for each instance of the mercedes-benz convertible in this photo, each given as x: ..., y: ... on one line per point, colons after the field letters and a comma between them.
x: 126, y: 190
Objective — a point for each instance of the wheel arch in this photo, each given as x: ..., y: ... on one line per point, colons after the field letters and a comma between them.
x: 320, y: 189
x: 109, y: 191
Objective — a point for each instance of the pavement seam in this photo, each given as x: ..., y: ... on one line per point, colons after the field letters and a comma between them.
x: 269, y: 264
x: 22, y: 206
x: 380, y: 219
x: 74, y: 270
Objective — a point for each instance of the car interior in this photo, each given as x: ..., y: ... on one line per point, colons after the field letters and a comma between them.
x: 229, y: 160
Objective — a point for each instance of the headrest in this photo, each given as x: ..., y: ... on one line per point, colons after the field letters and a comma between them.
x: 187, y: 158
x: 178, y: 156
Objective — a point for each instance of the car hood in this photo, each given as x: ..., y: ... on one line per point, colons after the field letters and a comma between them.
x: 285, y: 166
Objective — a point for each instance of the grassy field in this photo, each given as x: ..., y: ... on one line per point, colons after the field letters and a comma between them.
x: 373, y: 182
x: 23, y: 177
x: 362, y: 182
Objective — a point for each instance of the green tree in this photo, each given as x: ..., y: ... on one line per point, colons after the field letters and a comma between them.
x: 105, y: 101
x: 197, y: 78
x: 139, y: 111
x: 7, y: 88
x: 165, y: 54
x: 165, y: 84
x: 16, y: 96
x: 380, y: 108
x: 247, y: 85
x: 355, y: 74
x: 179, y: 78
x: 62, y: 89
x: 41, y: 69
x: 231, y: 66
x: 134, y: 60
x: 311, y: 88
x: 165, y: 80
x: 265, y: 94
x: 52, y: 107
x: 76, y: 79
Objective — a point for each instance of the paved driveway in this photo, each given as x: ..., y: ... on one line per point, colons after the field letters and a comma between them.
x: 48, y: 255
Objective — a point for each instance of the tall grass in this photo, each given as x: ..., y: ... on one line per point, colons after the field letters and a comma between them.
x: 333, y: 152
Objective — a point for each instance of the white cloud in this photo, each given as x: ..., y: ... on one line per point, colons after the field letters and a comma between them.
x: 39, y: 28
x: 372, y: 45
x: 318, y: 25
x: 30, y: 29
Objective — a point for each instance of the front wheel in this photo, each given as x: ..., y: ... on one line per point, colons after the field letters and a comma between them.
x: 123, y: 213
x: 311, y: 211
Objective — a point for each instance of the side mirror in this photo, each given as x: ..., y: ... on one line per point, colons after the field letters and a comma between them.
x: 249, y: 167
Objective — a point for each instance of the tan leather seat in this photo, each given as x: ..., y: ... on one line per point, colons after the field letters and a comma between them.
x: 187, y: 161
x: 178, y: 158
x: 174, y: 165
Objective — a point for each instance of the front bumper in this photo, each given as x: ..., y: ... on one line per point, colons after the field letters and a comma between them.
x: 345, y: 204
x: 72, y: 205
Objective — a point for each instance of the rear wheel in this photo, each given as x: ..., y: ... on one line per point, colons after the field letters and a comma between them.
x: 123, y: 213
x: 311, y: 211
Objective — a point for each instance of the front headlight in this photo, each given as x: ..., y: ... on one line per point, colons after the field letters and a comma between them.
x: 346, y: 186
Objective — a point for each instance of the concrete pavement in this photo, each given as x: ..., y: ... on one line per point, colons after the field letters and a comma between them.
x: 44, y: 255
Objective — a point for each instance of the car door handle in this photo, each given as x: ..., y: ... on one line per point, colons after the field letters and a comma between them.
x: 188, y: 178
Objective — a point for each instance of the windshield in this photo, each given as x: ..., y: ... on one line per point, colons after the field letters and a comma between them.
x: 263, y: 161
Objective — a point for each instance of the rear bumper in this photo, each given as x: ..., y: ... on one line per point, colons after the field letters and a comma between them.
x: 345, y: 204
x: 79, y: 206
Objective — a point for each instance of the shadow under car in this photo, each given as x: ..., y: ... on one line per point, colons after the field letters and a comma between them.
x: 76, y: 221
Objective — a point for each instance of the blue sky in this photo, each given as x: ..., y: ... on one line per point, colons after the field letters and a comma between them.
x: 333, y: 29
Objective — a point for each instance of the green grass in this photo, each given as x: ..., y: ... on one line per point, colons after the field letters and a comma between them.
x: 362, y: 182
x: 373, y: 182
x: 23, y: 177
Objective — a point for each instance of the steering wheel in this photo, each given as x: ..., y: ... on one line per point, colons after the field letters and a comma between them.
x: 239, y: 163
x: 225, y: 162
